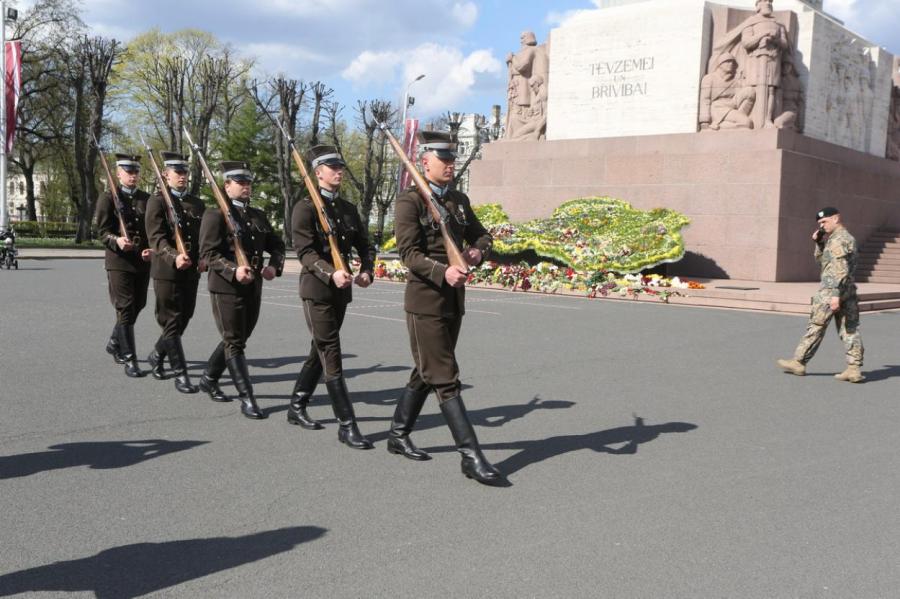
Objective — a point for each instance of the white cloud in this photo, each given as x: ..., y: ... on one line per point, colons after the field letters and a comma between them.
x: 280, y: 57
x: 450, y: 76
x: 465, y: 13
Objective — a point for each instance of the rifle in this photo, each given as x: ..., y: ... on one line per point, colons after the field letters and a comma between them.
x: 313, y: 189
x: 224, y: 203
x: 171, y: 215
x: 454, y: 256
x: 114, y: 192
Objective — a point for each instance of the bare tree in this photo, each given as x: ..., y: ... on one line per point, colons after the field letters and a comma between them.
x: 288, y: 96
x: 321, y: 96
x: 92, y: 63
x: 371, y: 180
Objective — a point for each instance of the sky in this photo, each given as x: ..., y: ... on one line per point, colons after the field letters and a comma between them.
x: 367, y: 49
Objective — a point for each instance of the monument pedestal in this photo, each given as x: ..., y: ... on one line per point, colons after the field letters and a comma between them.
x: 751, y: 195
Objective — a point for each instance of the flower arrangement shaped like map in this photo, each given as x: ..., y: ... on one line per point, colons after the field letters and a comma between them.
x: 592, y: 234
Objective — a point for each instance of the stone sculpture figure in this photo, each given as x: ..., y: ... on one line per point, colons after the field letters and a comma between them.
x: 526, y: 115
x: 759, y: 45
x: 725, y: 102
x: 893, y: 138
x: 791, y: 98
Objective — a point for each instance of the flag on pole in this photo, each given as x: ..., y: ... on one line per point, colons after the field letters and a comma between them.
x: 410, y: 146
x: 13, y: 88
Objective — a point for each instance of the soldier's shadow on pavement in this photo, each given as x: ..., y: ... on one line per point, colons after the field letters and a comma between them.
x: 98, y: 455
x: 141, y: 568
x: 888, y: 371
x: 617, y: 441
x: 262, y: 362
x: 349, y: 373
x: 492, y: 417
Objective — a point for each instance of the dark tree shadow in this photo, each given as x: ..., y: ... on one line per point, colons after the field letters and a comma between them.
x: 141, y: 568
x: 100, y: 455
x: 627, y: 438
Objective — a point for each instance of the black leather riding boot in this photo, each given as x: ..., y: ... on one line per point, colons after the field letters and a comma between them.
x: 112, y: 346
x: 209, y: 381
x: 303, y: 390
x: 408, y: 408
x: 179, y: 366
x: 157, y: 358
x: 474, y: 464
x: 237, y: 367
x: 348, y: 432
x: 126, y: 346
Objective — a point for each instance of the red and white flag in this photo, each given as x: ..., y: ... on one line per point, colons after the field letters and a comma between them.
x: 410, y: 146
x: 13, y: 88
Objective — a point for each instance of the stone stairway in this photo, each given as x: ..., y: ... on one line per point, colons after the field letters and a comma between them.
x: 879, y: 259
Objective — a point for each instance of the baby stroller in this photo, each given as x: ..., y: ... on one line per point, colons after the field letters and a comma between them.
x: 8, y: 251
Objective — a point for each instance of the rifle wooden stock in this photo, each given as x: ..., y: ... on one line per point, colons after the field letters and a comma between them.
x: 454, y: 256
x: 114, y: 192
x: 224, y: 205
x: 313, y: 189
x: 170, y: 206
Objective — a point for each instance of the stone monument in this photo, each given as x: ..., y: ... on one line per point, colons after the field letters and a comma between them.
x: 745, y: 115
x: 529, y: 77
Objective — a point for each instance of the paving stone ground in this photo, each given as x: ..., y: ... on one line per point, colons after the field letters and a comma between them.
x: 654, y: 451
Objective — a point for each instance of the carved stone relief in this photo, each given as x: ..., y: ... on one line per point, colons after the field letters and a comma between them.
x: 529, y: 77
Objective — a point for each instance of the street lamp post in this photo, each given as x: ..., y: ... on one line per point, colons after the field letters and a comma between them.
x: 407, y: 102
x: 4, y: 209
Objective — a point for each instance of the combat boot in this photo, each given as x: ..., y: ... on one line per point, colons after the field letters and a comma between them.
x: 408, y: 408
x: 157, y: 358
x: 126, y: 346
x: 348, y: 431
x: 112, y: 346
x: 237, y: 367
x: 474, y: 464
x: 209, y: 381
x: 851, y: 374
x: 300, y: 396
x: 792, y: 366
x: 179, y: 366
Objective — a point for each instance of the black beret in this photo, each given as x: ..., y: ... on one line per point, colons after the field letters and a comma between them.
x: 826, y: 212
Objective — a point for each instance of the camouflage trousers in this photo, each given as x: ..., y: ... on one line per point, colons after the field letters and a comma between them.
x: 846, y: 320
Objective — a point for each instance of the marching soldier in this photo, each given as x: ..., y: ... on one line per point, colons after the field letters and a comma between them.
x: 236, y: 291
x: 127, y: 261
x: 435, y: 304
x: 326, y: 291
x: 175, y: 276
x: 836, y: 254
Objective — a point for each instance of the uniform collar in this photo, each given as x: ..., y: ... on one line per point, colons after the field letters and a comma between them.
x: 239, y: 204
x: 329, y: 195
x: 129, y: 191
x: 178, y: 194
x: 438, y: 190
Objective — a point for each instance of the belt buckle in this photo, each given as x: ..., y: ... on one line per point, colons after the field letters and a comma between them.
x: 255, y: 262
x: 187, y: 246
x: 136, y: 240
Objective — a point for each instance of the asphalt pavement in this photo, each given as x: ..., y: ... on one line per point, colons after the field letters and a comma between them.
x: 653, y: 451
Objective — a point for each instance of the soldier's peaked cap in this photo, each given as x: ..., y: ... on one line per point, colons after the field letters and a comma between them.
x: 174, y: 160
x: 826, y: 212
x: 128, y: 161
x: 327, y: 155
x: 236, y: 170
x: 438, y: 142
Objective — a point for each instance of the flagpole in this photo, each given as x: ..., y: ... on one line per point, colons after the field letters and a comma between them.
x: 4, y: 211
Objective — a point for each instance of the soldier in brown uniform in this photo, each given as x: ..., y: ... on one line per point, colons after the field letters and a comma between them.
x: 325, y: 293
x: 435, y: 304
x: 127, y: 263
x: 175, y: 276
x: 236, y: 291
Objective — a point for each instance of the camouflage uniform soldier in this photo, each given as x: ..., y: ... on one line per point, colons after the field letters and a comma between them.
x: 837, y: 256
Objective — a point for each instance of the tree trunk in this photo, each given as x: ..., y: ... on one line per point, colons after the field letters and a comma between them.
x: 30, y: 200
